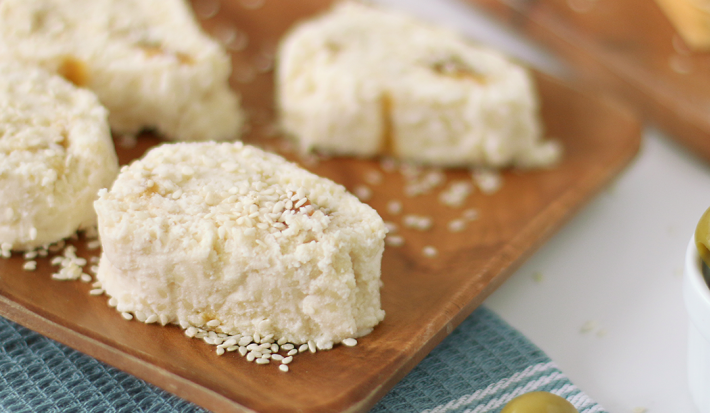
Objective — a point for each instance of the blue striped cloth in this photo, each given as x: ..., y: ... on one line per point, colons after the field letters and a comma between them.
x: 482, y: 365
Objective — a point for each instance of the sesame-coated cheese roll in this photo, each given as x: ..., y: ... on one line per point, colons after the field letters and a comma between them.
x: 231, y: 238
x: 148, y: 61
x: 364, y: 81
x: 56, y: 152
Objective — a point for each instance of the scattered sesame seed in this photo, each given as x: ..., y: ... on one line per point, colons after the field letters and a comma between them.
x: 470, y: 214
x: 287, y: 360
x: 213, y: 323
x: 283, y: 368
x: 430, y: 252
x: 251, y: 357
x: 417, y: 222
x: 277, y: 357
x: 363, y: 193
x: 455, y: 195
x: 292, y: 352
x: 85, y: 278
x: 262, y: 361
x: 488, y: 181
x: 288, y: 346
x: 303, y: 348
x: 373, y: 177
x: 154, y: 318
x: 112, y: 302
x: 127, y: 316
x: 311, y: 346
x: 29, y: 266
x: 456, y: 225
x: 243, y: 351
x: 98, y: 291
x: 350, y: 342
x: 394, y: 207
x: 220, y: 351
x: 391, y: 227
x: 29, y: 255
x: 283, y: 341
x: 92, y: 245
x: 394, y: 240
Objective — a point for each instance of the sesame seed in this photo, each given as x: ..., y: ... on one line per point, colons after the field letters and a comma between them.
x: 363, y: 193
x: 277, y: 357
x: 220, y: 351
x: 213, y: 323
x: 394, y: 240
x: 274, y: 348
x: 350, y: 342
x: 394, y: 207
x: 283, y: 368
x: 303, y: 348
x: 287, y: 360
x: 230, y: 342
x: 456, y: 225
x: 154, y: 317
x: 470, y: 214
x: 488, y: 181
x: 430, y: 252
x: 232, y: 348
x: 417, y: 222
x: 30, y: 255
x: 262, y: 361
x: 245, y: 341
x: 112, y: 302
x: 311, y: 346
x: 190, y: 331
x: 251, y: 357
x: 292, y: 352
x: 127, y: 316
x: 283, y: 341
x: 92, y: 245
x: 243, y: 351
x: 288, y: 346
x: 29, y: 266
x: 96, y: 291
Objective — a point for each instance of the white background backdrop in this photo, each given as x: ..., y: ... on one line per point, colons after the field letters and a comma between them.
x: 615, y: 269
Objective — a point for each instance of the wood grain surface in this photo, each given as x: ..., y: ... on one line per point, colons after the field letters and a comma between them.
x: 628, y: 47
x: 424, y: 298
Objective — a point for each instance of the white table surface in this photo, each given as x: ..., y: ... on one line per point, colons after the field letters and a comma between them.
x: 615, y: 268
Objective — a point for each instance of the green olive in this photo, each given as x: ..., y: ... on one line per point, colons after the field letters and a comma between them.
x: 702, y: 237
x: 539, y: 402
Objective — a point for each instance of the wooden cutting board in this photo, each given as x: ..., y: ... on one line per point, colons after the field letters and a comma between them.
x: 424, y: 298
x: 628, y: 47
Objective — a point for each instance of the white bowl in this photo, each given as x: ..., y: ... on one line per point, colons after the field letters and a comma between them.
x: 697, y: 301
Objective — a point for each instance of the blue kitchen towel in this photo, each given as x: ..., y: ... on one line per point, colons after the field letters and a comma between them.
x: 482, y: 365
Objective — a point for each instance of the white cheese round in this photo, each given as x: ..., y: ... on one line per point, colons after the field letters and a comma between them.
x: 148, y: 61
x: 229, y: 237
x: 363, y: 81
x: 56, y: 152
